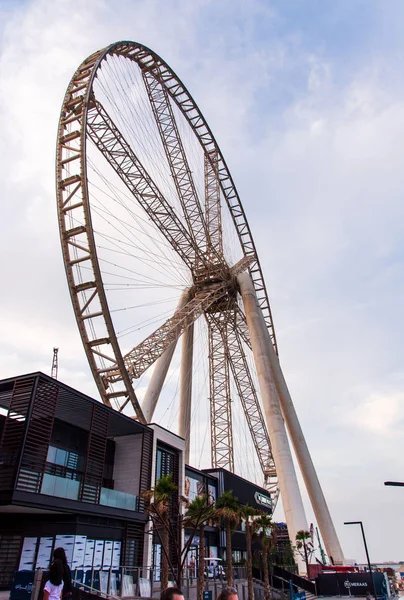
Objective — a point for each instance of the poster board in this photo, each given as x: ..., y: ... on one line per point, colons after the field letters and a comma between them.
x: 98, y: 554
x: 44, y: 552
x: 116, y: 555
x: 88, y: 554
x: 28, y: 554
x: 107, y: 558
x: 78, y: 551
x: 67, y: 543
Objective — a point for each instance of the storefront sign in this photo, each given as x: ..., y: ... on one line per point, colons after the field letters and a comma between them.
x: 263, y: 500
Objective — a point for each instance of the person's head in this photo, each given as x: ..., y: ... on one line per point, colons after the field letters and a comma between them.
x: 228, y: 594
x: 172, y: 593
x: 56, y: 572
x: 60, y: 554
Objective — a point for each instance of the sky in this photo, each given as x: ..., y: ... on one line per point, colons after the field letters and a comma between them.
x: 306, y: 100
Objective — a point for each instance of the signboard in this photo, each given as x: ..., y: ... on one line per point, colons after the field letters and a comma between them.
x: 98, y: 552
x: 145, y: 587
x: 28, y: 554
x: 67, y: 543
x: 44, y: 553
x: 263, y: 500
x: 79, y: 551
x: 349, y: 584
x: 116, y: 555
x: 207, y: 595
x: 89, y: 554
x: 107, y: 560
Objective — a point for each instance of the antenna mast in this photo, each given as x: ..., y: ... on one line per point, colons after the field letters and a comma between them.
x: 54, y: 372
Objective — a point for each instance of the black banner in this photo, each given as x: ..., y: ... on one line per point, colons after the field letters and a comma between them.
x: 350, y: 584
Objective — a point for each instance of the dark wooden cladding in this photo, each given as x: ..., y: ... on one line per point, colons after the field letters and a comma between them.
x: 132, y: 555
x: 12, y: 438
x: 38, y: 437
x: 97, y: 444
x: 145, y: 467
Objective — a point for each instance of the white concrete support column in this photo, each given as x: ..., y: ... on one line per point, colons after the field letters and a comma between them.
x: 184, y: 421
x: 261, y: 345
x: 160, y: 373
x: 156, y: 382
x: 317, y: 499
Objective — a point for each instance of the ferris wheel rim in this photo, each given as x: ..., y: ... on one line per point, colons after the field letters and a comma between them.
x: 93, y: 63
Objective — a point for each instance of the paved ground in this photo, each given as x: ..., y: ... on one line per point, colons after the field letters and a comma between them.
x: 4, y: 595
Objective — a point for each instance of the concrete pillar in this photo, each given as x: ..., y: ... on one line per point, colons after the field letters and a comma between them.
x: 317, y: 499
x: 261, y: 346
x: 184, y: 421
x: 160, y: 372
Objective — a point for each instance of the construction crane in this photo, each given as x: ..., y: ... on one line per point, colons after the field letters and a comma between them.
x: 54, y: 371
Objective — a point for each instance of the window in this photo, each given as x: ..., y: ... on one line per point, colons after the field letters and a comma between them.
x: 166, y: 463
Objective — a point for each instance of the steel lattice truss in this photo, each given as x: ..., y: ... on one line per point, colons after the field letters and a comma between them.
x: 196, y: 236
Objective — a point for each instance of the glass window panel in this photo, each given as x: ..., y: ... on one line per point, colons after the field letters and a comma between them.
x: 51, y: 454
x: 61, y: 457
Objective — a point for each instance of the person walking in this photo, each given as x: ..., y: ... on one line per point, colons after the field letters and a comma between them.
x: 60, y: 554
x: 53, y: 589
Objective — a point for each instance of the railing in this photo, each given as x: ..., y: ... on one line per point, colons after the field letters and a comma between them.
x: 130, y: 582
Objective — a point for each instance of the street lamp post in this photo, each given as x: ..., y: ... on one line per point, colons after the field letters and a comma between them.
x: 395, y: 483
x: 367, y: 553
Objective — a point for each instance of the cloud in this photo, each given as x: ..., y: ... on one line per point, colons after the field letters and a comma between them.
x: 379, y: 414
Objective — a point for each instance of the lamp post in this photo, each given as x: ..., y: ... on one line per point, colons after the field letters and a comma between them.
x: 367, y: 553
x: 395, y: 483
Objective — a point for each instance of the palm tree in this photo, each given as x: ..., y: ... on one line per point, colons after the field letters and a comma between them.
x: 227, y: 508
x: 198, y: 512
x: 265, y: 525
x: 247, y: 513
x: 159, y: 509
x: 302, y: 541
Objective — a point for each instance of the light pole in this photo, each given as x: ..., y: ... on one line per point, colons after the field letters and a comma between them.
x: 367, y: 553
x: 395, y: 483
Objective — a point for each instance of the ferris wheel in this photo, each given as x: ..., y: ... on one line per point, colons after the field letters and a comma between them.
x: 157, y: 247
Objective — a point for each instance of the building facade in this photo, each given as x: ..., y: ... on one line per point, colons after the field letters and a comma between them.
x: 73, y: 473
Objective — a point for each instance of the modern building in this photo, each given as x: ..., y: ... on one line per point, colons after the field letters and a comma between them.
x: 72, y: 474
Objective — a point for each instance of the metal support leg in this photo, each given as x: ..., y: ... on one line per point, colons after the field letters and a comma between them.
x: 184, y: 425
x: 160, y: 373
x: 261, y: 347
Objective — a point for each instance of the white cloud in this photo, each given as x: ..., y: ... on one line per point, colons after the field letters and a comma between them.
x: 379, y: 414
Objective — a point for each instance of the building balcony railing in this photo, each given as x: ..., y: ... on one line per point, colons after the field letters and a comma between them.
x: 118, y: 499
x: 62, y: 487
x: 52, y: 485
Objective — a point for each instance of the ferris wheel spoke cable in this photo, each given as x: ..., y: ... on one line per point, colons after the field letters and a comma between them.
x: 161, y: 259
x: 99, y: 210
x: 128, y: 120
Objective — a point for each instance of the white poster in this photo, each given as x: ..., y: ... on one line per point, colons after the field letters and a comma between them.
x: 44, y: 553
x: 211, y: 494
x: 193, y: 488
x: 107, y: 560
x: 67, y: 543
x: 116, y: 555
x: 145, y: 587
x: 98, y: 552
x: 89, y: 554
x: 28, y: 554
x: 104, y: 582
x: 79, y: 550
